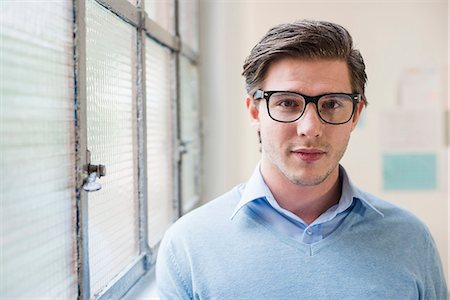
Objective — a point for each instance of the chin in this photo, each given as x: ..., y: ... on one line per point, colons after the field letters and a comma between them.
x: 309, y: 175
x: 307, y: 181
x: 305, y: 178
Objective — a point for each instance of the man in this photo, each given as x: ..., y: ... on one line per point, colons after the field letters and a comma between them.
x: 299, y: 229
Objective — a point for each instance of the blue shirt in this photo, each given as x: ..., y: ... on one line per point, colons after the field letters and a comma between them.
x: 377, y: 251
x: 259, y: 199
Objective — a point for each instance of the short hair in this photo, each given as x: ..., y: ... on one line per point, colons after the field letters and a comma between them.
x: 304, y: 39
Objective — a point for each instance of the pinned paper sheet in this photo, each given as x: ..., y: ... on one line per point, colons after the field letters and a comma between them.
x: 411, y: 129
x: 409, y: 171
x: 419, y: 87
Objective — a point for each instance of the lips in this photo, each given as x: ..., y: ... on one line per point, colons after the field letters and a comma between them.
x: 308, y: 154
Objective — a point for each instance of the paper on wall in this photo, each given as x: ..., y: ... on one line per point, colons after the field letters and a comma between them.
x: 409, y: 171
x: 411, y: 130
x: 420, y: 87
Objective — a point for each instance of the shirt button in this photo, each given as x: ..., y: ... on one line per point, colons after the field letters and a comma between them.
x: 309, y: 231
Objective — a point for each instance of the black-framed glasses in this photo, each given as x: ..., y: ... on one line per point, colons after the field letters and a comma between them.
x: 287, y: 107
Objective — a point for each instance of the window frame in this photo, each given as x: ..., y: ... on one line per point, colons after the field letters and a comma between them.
x: 145, y: 27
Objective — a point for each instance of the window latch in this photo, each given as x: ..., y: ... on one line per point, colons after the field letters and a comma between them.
x: 183, y: 147
x: 93, y: 172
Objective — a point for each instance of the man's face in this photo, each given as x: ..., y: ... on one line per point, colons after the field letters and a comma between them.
x: 307, y: 151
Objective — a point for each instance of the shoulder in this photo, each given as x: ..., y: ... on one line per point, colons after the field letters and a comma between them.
x: 198, y: 223
x: 183, y: 249
x: 396, y: 219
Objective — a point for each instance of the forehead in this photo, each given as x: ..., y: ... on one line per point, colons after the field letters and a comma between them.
x: 308, y: 76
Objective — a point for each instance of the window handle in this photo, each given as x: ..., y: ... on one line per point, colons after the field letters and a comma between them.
x: 183, y: 146
x: 91, y: 185
x: 93, y: 172
x: 99, y: 169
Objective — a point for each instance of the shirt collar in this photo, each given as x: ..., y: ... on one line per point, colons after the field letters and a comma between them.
x: 354, y: 192
x: 256, y: 188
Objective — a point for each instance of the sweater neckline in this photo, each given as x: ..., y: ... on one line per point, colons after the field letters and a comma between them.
x: 357, y: 212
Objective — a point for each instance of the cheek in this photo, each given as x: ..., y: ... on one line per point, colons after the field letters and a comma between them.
x: 268, y: 132
x: 275, y: 133
x: 339, y: 137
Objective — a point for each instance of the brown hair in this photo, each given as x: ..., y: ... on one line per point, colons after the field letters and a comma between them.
x: 304, y: 39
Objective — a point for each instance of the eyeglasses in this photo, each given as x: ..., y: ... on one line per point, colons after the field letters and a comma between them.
x: 287, y: 107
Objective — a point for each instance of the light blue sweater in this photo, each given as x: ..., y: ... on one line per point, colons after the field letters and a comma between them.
x: 208, y: 255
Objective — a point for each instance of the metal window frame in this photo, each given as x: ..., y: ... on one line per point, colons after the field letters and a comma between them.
x: 177, y: 160
x: 138, y: 18
x: 81, y: 205
x: 142, y: 144
x: 186, y: 51
x: 179, y: 48
x: 124, y: 9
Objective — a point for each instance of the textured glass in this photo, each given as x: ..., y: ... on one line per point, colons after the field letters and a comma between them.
x: 190, y: 134
x: 188, y: 22
x: 162, y: 12
x: 37, y: 161
x: 159, y: 140
x: 111, y: 117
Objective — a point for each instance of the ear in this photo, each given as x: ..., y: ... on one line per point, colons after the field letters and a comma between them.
x: 253, y: 112
x: 358, y: 111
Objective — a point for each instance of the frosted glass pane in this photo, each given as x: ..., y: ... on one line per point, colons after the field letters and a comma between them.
x: 159, y: 140
x: 162, y: 12
x: 188, y: 22
x: 190, y: 134
x: 111, y: 117
x: 37, y: 161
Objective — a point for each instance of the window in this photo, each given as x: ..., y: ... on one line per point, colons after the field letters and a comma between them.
x: 37, y: 161
x: 190, y: 134
x: 86, y: 84
x: 160, y: 145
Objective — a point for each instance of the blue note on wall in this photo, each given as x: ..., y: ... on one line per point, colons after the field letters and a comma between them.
x: 409, y: 171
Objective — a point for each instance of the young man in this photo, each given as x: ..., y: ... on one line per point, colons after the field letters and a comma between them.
x: 299, y: 229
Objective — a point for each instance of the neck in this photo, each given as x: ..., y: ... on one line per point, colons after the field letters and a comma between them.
x: 307, y: 202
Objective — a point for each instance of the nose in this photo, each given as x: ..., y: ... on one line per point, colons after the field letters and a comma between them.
x: 310, y: 125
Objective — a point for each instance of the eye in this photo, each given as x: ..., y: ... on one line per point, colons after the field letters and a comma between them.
x: 287, y: 103
x: 334, y: 102
x: 331, y: 104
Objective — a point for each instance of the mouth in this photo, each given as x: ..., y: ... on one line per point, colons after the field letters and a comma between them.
x: 308, y: 154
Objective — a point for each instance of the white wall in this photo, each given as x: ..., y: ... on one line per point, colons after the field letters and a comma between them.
x: 392, y: 36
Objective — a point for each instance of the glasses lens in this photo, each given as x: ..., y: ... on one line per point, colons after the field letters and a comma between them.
x: 285, y: 106
x: 335, y: 108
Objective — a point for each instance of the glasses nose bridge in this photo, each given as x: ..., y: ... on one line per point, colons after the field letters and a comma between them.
x: 314, y: 100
